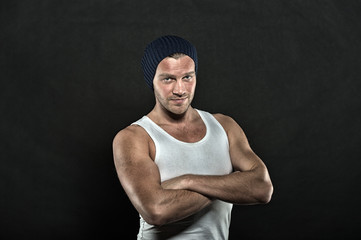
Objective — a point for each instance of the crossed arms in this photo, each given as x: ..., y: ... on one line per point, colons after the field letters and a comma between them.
x: 160, y: 203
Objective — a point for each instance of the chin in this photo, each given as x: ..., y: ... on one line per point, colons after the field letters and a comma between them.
x: 179, y: 110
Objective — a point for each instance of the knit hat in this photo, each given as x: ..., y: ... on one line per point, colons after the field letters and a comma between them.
x: 161, y: 48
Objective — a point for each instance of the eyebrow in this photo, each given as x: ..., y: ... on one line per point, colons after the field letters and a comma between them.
x: 173, y: 76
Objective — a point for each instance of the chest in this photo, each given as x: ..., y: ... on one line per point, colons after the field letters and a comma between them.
x: 189, y: 134
x: 208, y: 156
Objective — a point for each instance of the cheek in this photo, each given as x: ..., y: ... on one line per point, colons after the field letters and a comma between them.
x: 166, y: 90
x: 191, y: 86
x: 162, y: 92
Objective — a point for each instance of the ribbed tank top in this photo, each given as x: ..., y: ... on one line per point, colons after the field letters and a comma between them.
x: 208, y: 156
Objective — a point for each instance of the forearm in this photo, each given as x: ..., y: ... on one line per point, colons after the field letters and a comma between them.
x: 177, y: 204
x: 171, y: 205
x: 160, y: 204
x: 249, y: 187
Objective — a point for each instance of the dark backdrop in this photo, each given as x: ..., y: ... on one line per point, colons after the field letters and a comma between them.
x: 286, y: 71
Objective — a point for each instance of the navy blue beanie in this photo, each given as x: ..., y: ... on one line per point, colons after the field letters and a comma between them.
x: 161, y: 48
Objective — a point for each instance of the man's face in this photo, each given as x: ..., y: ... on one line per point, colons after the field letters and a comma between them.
x: 174, y: 84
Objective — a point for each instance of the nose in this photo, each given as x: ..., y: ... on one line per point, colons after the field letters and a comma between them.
x: 179, y: 88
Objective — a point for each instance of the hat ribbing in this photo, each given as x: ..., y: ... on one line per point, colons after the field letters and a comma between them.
x: 161, y: 48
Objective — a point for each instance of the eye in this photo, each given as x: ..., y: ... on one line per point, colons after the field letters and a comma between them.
x: 188, y: 77
x: 167, y: 79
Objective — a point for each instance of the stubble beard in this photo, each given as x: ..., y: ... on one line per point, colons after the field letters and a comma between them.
x: 172, y: 108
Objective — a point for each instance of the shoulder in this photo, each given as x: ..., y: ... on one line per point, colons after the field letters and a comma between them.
x: 227, y: 122
x: 232, y: 128
x: 130, y: 137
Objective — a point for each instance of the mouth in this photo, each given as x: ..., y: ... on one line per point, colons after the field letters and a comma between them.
x: 178, y: 100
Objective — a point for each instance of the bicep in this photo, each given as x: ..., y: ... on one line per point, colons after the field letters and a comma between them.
x: 137, y: 172
x: 242, y: 156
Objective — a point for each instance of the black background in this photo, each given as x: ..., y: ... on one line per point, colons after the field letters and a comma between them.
x: 287, y: 71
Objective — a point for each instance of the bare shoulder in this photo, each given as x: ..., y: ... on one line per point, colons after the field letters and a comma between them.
x: 222, y: 117
x: 227, y: 122
x: 132, y: 140
x: 130, y: 133
x: 234, y: 131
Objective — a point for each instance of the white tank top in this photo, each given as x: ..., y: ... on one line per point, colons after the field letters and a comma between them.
x: 209, y: 156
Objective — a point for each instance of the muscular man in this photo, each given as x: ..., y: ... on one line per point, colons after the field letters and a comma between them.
x: 183, y: 168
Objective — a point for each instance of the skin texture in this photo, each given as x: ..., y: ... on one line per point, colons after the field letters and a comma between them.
x: 159, y: 202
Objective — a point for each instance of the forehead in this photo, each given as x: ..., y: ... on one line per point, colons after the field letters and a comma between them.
x: 179, y: 65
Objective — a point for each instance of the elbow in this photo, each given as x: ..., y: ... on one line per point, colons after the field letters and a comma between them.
x: 154, y: 216
x: 264, y: 188
x: 265, y: 192
x: 155, y: 220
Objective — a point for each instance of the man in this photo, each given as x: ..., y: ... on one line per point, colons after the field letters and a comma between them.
x: 183, y: 168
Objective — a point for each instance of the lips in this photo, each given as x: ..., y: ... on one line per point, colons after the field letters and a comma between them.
x: 178, y: 100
